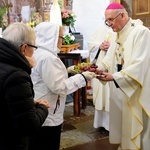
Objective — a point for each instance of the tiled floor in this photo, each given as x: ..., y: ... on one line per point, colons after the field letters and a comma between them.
x: 78, y: 132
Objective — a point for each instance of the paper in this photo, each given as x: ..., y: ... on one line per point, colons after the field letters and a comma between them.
x: 25, y: 13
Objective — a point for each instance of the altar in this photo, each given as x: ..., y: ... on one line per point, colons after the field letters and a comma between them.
x: 84, y: 53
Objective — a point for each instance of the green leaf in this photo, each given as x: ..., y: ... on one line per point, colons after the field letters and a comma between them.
x: 2, y: 11
x: 67, y: 40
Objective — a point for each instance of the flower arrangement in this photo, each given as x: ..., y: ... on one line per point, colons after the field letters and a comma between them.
x: 35, y: 19
x: 68, y: 39
x: 31, y: 24
x: 2, y: 11
x: 61, y: 3
x: 68, y: 17
x: 4, y: 8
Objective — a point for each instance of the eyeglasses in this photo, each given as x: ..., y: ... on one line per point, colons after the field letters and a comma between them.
x: 35, y: 47
x: 61, y: 37
x: 107, y: 22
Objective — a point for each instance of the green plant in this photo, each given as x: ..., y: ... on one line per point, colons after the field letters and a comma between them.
x: 2, y: 11
x: 69, y: 39
x: 61, y: 4
x: 4, y: 7
x: 68, y: 17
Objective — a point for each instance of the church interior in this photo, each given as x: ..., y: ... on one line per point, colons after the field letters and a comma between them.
x: 78, y: 132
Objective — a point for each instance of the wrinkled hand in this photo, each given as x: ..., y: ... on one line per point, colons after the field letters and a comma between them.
x: 89, y: 75
x: 105, y: 45
x: 71, y: 69
x: 44, y: 102
x: 105, y: 77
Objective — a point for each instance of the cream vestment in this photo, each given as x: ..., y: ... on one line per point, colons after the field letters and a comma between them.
x: 130, y: 103
x: 100, y: 92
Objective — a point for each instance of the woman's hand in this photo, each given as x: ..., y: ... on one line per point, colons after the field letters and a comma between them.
x: 44, y: 102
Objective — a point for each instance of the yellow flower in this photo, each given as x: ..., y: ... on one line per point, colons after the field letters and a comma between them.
x: 31, y: 24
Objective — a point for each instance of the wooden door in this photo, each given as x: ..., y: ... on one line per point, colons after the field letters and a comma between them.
x: 141, y: 10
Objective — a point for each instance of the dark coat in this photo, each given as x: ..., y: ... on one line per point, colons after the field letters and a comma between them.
x: 18, y: 114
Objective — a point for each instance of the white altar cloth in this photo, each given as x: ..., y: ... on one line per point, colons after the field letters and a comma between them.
x: 84, y: 53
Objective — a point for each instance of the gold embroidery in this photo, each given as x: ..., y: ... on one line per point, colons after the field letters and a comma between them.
x: 119, y: 55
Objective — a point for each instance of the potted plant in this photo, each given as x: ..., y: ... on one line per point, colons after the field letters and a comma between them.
x: 68, y: 17
x: 68, y: 39
x: 68, y: 20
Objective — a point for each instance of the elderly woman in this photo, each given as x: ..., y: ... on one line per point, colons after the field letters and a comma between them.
x: 20, y: 115
x: 51, y: 82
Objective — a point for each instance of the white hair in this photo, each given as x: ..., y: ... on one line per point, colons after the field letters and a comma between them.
x: 19, y: 33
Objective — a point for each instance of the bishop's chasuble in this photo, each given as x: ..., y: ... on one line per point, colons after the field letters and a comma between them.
x: 128, y: 59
